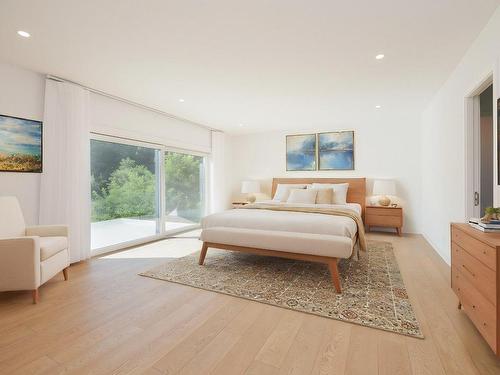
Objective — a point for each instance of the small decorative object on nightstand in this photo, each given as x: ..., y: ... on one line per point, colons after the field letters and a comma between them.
x: 238, y: 204
x: 380, y: 216
x: 383, y: 188
x: 250, y: 188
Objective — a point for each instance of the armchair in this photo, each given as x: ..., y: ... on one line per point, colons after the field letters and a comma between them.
x: 29, y: 256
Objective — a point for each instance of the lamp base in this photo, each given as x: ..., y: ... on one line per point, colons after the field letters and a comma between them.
x: 384, y: 201
x: 251, y: 198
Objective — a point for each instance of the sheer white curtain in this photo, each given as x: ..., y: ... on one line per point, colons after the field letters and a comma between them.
x: 65, y: 181
x: 219, y: 187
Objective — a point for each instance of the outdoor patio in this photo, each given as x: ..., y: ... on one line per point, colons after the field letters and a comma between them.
x: 112, y: 232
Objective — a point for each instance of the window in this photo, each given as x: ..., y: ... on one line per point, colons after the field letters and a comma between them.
x: 131, y: 203
x: 125, y: 192
x: 184, y: 190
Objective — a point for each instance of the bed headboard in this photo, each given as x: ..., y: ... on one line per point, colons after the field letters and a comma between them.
x: 355, y: 194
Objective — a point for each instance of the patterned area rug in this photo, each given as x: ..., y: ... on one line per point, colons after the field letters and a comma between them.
x: 373, y: 293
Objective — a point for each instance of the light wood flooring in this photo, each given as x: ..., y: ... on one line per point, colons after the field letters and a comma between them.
x: 108, y: 320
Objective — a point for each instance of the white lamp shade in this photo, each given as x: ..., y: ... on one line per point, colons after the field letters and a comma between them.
x: 250, y: 187
x: 384, y: 187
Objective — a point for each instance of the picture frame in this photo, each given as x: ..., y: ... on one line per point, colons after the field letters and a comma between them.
x: 301, y: 152
x: 21, y: 145
x: 336, y: 150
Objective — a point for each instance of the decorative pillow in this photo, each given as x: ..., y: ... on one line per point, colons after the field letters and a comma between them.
x: 325, y: 196
x: 302, y: 196
x: 283, y: 191
x: 339, y: 191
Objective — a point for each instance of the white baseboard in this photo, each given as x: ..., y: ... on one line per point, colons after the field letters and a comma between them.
x: 436, y: 249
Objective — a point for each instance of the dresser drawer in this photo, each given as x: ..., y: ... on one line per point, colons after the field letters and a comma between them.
x: 383, y: 221
x: 396, y: 212
x: 480, y: 276
x: 477, y: 249
x: 477, y: 307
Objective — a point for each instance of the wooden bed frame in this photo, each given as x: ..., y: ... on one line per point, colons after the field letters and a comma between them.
x: 355, y: 194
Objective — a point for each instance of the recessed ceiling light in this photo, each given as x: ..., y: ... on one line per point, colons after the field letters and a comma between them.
x: 380, y: 56
x: 182, y: 100
x: 378, y: 106
x: 24, y: 34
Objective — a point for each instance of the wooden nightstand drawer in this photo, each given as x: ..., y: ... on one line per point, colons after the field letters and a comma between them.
x: 380, y: 211
x: 383, y: 221
x: 378, y: 216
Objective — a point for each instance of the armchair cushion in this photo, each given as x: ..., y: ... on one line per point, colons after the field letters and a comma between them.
x: 50, y: 246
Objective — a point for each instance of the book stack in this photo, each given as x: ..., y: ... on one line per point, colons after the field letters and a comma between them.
x: 492, y: 227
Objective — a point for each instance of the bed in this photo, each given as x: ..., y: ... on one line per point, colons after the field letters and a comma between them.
x: 312, y: 232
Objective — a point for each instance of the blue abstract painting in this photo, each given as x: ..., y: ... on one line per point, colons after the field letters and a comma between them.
x: 336, y: 150
x: 301, y: 152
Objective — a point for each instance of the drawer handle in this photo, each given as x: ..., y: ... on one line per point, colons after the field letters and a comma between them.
x: 468, y: 270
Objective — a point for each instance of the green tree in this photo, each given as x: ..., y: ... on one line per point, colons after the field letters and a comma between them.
x: 130, y: 192
x: 182, y: 184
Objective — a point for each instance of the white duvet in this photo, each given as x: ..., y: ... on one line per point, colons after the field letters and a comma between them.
x: 287, y: 221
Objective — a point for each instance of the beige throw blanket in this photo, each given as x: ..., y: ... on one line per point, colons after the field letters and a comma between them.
x: 318, y: 210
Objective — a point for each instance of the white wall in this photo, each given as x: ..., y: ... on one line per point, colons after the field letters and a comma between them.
x: 22, y: 95
x: 382, y: 149
x: 443, y: 139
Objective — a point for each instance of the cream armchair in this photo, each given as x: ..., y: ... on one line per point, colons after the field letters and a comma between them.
x: 29, y: 256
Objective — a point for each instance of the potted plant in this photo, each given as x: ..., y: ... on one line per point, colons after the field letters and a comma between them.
x: 490, y: 213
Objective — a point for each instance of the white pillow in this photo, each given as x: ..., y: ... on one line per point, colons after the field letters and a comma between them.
x: 339, y: 191
x: 325, y: 196
x: 283, y: 191
x: 302, y: 196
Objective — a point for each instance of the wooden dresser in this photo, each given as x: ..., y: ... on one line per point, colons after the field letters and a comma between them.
x: 475, y: 279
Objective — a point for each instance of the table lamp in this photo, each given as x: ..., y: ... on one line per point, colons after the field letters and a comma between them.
x: 250, y: 188
x: 383, y: 188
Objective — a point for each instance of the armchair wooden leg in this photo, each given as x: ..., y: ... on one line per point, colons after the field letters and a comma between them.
x: 65, y: 273
x: 335, y: 275
x: 34, y: 294
x: 203, y: 253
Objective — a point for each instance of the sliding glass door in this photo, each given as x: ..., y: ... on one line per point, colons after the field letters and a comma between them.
x: 140, y: 192
x: 184, y: 190
x: 125, y: 193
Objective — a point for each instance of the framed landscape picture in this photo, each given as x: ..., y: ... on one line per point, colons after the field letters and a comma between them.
x: 20, y: 145
x: 301, y: 152
x: 336, y: 150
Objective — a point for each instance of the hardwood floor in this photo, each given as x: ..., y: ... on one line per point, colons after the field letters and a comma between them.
x: 107, y: 319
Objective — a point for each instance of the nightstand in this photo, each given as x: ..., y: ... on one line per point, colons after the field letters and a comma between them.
x: 380, y: 216
x: 239, y: 204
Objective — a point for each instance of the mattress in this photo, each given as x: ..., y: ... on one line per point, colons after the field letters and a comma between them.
x: 286, y: 221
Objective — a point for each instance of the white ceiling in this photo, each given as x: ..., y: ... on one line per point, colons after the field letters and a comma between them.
x: 266, y: 64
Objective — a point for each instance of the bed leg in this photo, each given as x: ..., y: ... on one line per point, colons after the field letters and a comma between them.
x: 203, y: 253
x: 335, y: 275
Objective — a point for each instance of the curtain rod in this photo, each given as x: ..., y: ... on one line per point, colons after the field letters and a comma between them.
x: 138, y: 105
